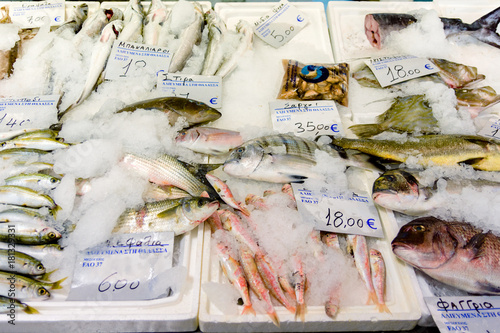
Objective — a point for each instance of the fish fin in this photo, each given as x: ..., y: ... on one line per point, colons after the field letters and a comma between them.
x: 366, y: 130
x: 46, y: 276
x: 57, y: 284
x: 487, y: 287
x: 475, y: 245
x: 244, y: 210
x: 274, y: 318
x: 487, y: 36
x: 300, y: 312
x: 30, y: 310
x: 383, y: 308
x: 488, y: 21
x: 55, y: 210
x: 372, y: 298
x: 248, y: 309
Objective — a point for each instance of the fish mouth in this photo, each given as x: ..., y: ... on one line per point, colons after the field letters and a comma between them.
x: 401, y: 245
x: 383, y: 192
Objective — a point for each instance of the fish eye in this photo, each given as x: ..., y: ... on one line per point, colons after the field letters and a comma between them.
x: 201, y: 203
x: 419, y: 228
x: 39, y: 267
x: 53, y: 180
x: 240, y: 150
x: 390, y: 178
x: 3, y: 144
x: 52, y: 235
x: 42, y: 291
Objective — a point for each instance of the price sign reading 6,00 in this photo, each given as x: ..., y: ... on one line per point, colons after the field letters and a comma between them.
x: 111, y: 284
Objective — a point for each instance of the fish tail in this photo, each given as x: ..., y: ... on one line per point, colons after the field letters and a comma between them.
x: 366, y: 130
x: 248, y: 309
x: 383, y: 308
x: 30, y: 310
x: 57, y: 284
x: 274, y: 317
x: 244, y: 210
x: 485, y: 28
x: 300, y: 312
x: 46, y: 276
x: 55, y: 210
x: 372, y: 298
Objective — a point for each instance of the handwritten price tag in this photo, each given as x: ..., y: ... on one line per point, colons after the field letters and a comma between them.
x: 492, y: 129
x: 354, y: 213
x: 133, y: 59
x: 306, y: 119
x: 280, y: 25
x: 28, y: 112
x: 128, y: 267
x: 465, y: 314
x: 29, y: 14
x: 392, y: 70
x: 206, y: 89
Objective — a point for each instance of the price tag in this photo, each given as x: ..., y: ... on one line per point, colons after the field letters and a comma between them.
x: 491, y: 130
x: 465, y: 314
x: 31, y: 14
x: 28, y: 112
x: 203, y: 88
x: 132, y: 59
x: 279, y: 25
x: 392, y: 70
x: 128, y: 267
x: 352, y: 213
x: 306, y: 119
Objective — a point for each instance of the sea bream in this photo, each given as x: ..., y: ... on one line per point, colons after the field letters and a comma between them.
x: 378, y: 26
x: 455, y: 253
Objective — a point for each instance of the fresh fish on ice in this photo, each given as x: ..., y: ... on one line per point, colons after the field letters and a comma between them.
x: 21, y: 263
x: 95, y: 23
x: 26, y: 288
x: 133, y: 17
x: 225, y: 193
x: 156, y: 17
x: 362, y: 260
x: 377, y: 265
x: 39, y: 182
x: 209, y: 140
x: 6, y: 305
x: 22, y: 196
x: 215, y: 53
x: 245, y: 30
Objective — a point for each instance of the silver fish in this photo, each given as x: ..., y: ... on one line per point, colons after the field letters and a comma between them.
x: 22, y: 196
x: 155, y: 18
x: 21, y: 263
x: 95, y: 23
x: 28, y: 233
x: 209, y: 140
x: 133, y: 18
x: 215, y: 53
x: 25, y: 288
x: 75, y: 20
x: 245, y: 30
x: 41, y: 143
x: 36, y: 181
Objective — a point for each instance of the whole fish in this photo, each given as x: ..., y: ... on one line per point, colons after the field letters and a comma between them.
x: 75, y: 20
x: 377, y: 265
x: 40, y: 143
x: 22, y: 155
x: 28, y: 233
x: 98, y: 60
x: 7, y: 304
x: 133, y: 17
x: 96, y: 22
x: 195, y: 112
x: 15, y: 261
x: 476, y: 100
x: 190, y: 36
x: 453, y: 74
x: 232, y: 223
x: 156, y: 17
x: 245, y: 30
x: 406, y: 114
x: 209, y: 140
x: 362, y: 260
x: 178, y: 215
x: 24, y: 287
x: 255, y: 282
x: 455, y: 253
x: 22, y: 196
x: 215, y: 53
x: 33, y: 167
x: 39, y: 182
x: 36, y: 133
x: 24, y: 214
x: 379, y: 26
x: 37, y: 251
x: 225, y: 193
x: 234, y: 272
x: 165, y: 170
x: 300, y: 288
x: 400, y: 190
x: 446, y: 150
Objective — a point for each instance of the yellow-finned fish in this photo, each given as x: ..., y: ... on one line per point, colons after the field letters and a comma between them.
x: 23, y: 196
x: 24, y: 287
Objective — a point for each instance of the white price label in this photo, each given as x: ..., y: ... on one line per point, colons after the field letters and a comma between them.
x: 476, y: 314
x: 306, y: 119
x: 280, y: 25
x: 352, y: 213
x: 31, y: 14
x: 132, y: 59
x: 127, y: 267
x: 492, y: 129
x: 392, y: 70
x: 28, y: 112
x: 206, y: 89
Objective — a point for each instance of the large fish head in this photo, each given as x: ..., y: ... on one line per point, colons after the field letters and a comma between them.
x: 198, y: 209
x: 244, y: 160
x: 37, y: 269
x: 50, y: 235
x: 396, y: 190
x: 187, y: 137
x: 424, y: 243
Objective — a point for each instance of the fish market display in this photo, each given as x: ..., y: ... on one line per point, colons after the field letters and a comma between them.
x: 379, y: 26
x: 455, y: 253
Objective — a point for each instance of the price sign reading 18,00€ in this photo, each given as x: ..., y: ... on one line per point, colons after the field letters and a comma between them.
x: 392, y: 70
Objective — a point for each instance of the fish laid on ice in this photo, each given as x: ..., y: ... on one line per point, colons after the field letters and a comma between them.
x: 75, y: 20
x: 476, y: 100
x: 299, y: 277
x: 215, y: 53
x: 379, y: 26
x: 362, y: 260
x: 41, y: 143
x: 446, y: 150
x: 25, y: 287
x: 165, y: 170
x: 377, y: 265
x: 225, y: 193
x: 6, y: 304
x: 194, y: 112
x: 23, y: 196
x: 36, y: 251
x: 133, y: 17
x: 20, y: 263
x: 39, y: 182
x: 245, y: 30
x: 177, y: 215
x: 232, y: 223
x: 209, y: 140
x: 455, y: 253
x: 95, y: 23
x: 156, y: 17
x: 28, y: 233
x: 400, y: 190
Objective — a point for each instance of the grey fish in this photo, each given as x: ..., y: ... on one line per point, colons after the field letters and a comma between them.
x: 75, y: 20
x: 95, y: 23
x: 379, y: 26
x: 215, y: 53
x: 178, y: 215
x: 455, y: 253
x: 195, y: 112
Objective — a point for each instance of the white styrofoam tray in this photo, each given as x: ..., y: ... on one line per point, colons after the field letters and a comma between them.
x: 400, y: 296
x: 176, y: 313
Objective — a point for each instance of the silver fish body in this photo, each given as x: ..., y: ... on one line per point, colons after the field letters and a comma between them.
x: 39, y: 182
x: 156, y: 17
x: 245, y: 30
x: 216, y: 33
x: 25, y: 288
x: 133, y: 17
x: 209, y: 140
x: 20, y: 263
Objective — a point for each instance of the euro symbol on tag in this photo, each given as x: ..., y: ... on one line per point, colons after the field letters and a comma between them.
x: 429, y: 67
x: 58, y: 19
x: 213, y: 100
x: 334, y: 128
x: 371, y: 223
x: 300, y: 18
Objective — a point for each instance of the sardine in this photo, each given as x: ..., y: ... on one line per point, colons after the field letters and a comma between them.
x: 379, y: 26
x: 39, y: 182
x: 446, y: 150
x: 455, y: 253
x: 7, y: 304
x: 362, y: 260
x: 20, y: 263
x: 165, y: 170
x: 133, y: 17
x: 25, y: 287
x: 377, y: 265
x: 195, y: 112
x: 225, y: 193
x: 209, y: 140
x: 178, y: 215
x: 215, y: 51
